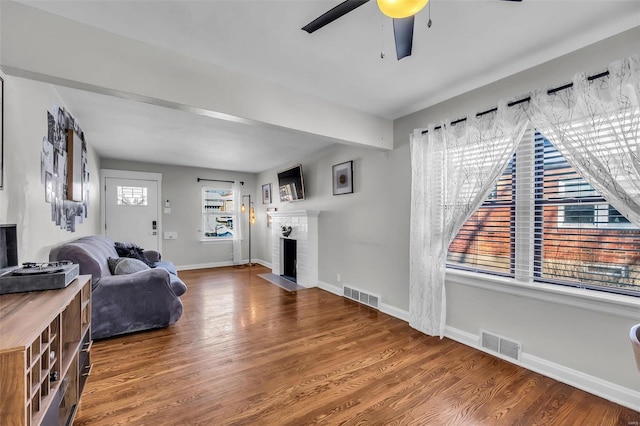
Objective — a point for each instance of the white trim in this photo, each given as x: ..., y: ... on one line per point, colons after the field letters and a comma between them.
x: 204, y: 265
x: 219, y: 265
x: 594, y: 385
x: 262, y: 262
x: 128, y: 174
x: 216, y: 241
x: 401, y: 314
x: 591, y: 300
x: 330, y: 288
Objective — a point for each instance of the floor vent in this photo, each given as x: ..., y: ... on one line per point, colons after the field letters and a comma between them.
x: 500, y: 345
x: 360, y: 296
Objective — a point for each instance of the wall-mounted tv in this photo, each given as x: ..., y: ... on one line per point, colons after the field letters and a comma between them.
x: 291, y: 184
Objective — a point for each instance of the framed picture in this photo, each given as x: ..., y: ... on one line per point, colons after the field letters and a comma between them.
x: 343, y: 178
x: 266, y: 193
x: 1, y: 133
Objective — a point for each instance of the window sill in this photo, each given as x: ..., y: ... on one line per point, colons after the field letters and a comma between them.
x: 217, y: 241
x: 611, y: 304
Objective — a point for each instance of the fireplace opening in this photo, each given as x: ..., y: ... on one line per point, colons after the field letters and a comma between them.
x: 289, y: 259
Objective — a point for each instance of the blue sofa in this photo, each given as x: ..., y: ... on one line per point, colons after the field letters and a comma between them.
x: 128, y: 303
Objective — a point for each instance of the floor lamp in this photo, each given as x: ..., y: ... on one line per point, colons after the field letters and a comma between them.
x: 252, y: 220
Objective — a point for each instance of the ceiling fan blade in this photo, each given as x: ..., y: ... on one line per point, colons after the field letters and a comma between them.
x: 335, y: 13
x: 403, y: 32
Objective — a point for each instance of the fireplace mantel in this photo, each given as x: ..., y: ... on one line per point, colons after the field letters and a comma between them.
x: 304, y: 229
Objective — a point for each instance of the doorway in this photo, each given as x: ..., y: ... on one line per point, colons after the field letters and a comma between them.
x: 131, y: 207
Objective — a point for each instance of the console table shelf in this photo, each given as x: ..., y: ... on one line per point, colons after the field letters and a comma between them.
x: 45, y: 343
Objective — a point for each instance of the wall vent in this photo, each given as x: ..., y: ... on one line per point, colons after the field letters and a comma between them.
x: 360, y: 296
x: 500, y: 345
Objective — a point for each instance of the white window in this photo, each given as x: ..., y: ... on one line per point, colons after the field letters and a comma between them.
x: 581, y: 208
x: 218, y: 217
x: 574, y: 236
x: 132, y: 196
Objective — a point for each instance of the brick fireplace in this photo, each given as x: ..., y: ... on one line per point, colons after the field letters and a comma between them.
x: 304, y: 230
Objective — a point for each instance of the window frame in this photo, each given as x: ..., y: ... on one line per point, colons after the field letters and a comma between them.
x: 121, y: 196
x: 208, y: 213
x: 531, y: 257
x: 601, y: 209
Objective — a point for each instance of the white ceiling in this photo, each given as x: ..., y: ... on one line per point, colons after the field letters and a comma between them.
x: 471, y: 43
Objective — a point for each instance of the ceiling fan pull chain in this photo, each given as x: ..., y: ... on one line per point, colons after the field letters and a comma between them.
x: 382, y: 55
x: 429, y: 22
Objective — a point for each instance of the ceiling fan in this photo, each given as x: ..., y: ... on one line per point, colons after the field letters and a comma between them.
x: 402, y: 11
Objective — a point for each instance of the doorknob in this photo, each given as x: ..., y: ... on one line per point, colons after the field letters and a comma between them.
x: 154, y: 225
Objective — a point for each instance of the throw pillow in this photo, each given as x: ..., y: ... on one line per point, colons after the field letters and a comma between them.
x: 113, y: 262
x: 133, y: 251
x: 126, y: 265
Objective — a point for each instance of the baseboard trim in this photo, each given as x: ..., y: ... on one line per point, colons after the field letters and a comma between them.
x: 594, y: 385
x: 263, y: 263
x: 203, y: 266
x: 330, y: 288
x: 220, y: 264
x: 383, y: 307
x: 401, y: 314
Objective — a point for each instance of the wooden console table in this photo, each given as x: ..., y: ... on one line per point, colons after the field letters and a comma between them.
x: 45, y: 344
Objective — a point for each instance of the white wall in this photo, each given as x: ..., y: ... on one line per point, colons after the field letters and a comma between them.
x: 103, y: 62
x: 179, y: 185
x: 23, y: 199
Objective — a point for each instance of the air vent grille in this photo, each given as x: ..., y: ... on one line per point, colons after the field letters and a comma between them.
x: 500, y: 345
x: 490, y: 342
x: 362, y: 297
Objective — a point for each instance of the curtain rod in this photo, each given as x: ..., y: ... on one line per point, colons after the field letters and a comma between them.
x: 523, y: 100
x: 218, y: 180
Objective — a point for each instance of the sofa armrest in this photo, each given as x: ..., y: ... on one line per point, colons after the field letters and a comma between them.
x: 152, y: 255
x: 139, y: 301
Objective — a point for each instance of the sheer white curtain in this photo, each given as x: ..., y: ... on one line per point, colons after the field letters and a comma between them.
x: 595, y: 126
x: 237, y: 223
x: 453, y: 170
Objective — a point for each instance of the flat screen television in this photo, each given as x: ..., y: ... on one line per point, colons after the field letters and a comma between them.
x: 291, y: 184
x: 8, y: 247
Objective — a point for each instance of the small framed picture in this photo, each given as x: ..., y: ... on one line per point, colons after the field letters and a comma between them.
x: 266, y: 193
x: 343, y: 178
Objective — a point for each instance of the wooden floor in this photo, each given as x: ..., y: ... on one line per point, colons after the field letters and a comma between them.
x: 248, y: 352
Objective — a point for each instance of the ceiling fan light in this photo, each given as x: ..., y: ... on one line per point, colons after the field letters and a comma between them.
x: 398, y: 9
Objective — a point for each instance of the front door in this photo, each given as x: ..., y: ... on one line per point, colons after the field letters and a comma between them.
x: 131, y: 211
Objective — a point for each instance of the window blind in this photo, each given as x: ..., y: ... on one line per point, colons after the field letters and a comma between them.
x: 543, y: 222
x: 485, y: 242
x: 580, y: 239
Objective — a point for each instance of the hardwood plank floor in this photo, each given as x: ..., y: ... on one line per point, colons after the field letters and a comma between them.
x: 247, y: 352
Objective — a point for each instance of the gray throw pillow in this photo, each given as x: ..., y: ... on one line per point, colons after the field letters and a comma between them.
x: 126, y: 265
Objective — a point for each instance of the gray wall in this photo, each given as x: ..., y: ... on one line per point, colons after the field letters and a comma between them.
x: 362, y: 236
x: 22, y: 201
x: 365, y: 238
x: 591, y: 59
x: 573, y: 337
x: 179, y: 185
